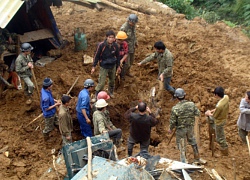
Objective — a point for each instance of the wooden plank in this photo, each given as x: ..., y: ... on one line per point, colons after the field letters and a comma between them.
x: 36, y: 35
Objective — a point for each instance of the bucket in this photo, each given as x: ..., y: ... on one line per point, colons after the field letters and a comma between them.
x: 80, y: 40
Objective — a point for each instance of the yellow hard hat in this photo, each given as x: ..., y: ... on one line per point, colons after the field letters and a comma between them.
x: 121, y: 35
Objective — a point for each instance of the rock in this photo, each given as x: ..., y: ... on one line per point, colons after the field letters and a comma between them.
x: 4, y: 161
x: 19, y: 164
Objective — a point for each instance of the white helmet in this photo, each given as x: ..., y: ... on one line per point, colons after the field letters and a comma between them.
x: 101, y: 103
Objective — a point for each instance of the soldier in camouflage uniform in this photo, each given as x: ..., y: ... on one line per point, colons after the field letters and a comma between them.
x: 129, y: 28
x: 102, y: 123
x: 183, y: 118
x: 5, y: 42
x: 24, y: 64
x: 165, y: 62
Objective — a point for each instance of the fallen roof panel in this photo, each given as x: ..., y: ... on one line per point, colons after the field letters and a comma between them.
x: 8, y: 9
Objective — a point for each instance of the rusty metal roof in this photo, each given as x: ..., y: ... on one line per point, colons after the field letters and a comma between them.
x: 8, y: 9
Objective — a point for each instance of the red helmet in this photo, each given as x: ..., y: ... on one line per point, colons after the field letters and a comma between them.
x: 103, y: 95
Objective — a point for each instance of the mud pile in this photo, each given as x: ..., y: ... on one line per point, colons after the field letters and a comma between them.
x: 205, y: 56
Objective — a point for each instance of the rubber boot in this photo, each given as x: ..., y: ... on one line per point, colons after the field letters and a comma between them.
x: 224, y: 152
x: 197, y: 158
x: 111, y: 92
x: 196, y: 152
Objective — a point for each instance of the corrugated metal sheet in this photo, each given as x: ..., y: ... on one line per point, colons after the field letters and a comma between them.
x: 8, y: 9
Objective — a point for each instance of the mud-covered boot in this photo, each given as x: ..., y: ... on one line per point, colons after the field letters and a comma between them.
x: 111, y: 92
x: 197, y: 158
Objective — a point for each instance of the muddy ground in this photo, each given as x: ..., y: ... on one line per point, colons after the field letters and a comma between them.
x: 205, y: 56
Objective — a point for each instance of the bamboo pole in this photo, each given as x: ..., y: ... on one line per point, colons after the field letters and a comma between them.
x: 89, y: 158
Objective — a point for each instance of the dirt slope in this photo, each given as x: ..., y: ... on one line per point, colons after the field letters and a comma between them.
x: 205, y: 56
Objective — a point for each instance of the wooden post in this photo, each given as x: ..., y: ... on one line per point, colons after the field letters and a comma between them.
x: 89, y: 158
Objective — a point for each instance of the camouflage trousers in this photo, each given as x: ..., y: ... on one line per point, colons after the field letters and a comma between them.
x: 220, y: 135
x: 186, y: 133
x: 130, y: 61
x: 243, y: 133
x: 66, y: 141
x: 102, y: 78
x: 50, y: 123
x: 28, y: 86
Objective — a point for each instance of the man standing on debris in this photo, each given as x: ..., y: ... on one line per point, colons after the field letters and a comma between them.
x: 24, y: 64
x: 102, y: 123
x: 140, y: 127
x: 183, y: 119
x: 219, y: 117
x: 165, y: 62
x: 123, y: 48
x: 48, y: 106
x: 108, y: 55
x: 65, y: 120
x: 130, y: 28
x: 83, y: 108
x: 244, y: 118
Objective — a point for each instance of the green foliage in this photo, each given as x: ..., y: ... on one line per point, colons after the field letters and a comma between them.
x: 229, y: 23
x: 232, y: 12
x: 183, y: 7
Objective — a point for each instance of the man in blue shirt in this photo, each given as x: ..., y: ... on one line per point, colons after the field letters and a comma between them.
x: 83, y: 108
x: 48, y: 105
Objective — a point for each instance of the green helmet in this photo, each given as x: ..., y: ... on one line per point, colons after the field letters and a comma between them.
x: 179, y: 93
x: 26, y: 47
x: 88, y: 83
x: 133, y: 18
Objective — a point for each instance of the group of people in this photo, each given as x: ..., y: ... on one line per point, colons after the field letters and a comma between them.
x: 115, y: 56
x: 116, y: 53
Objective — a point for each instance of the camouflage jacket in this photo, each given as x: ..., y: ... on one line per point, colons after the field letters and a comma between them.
x: 22, y: 68
x: 183, y: 114
x: 165, y: 62
x: 101, y: 121
x: 131, y: 33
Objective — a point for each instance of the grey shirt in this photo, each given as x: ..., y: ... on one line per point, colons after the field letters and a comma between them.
x: 244, y: 118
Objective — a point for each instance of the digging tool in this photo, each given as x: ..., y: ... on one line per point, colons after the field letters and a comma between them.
x: 33, y: 74
x: 152, y: 96
x: 40, y: 115
x: 171, y: 137
x: 212, y: 145
x: 73, y: 85
x: 117, y: 81
x: 248, y: 144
